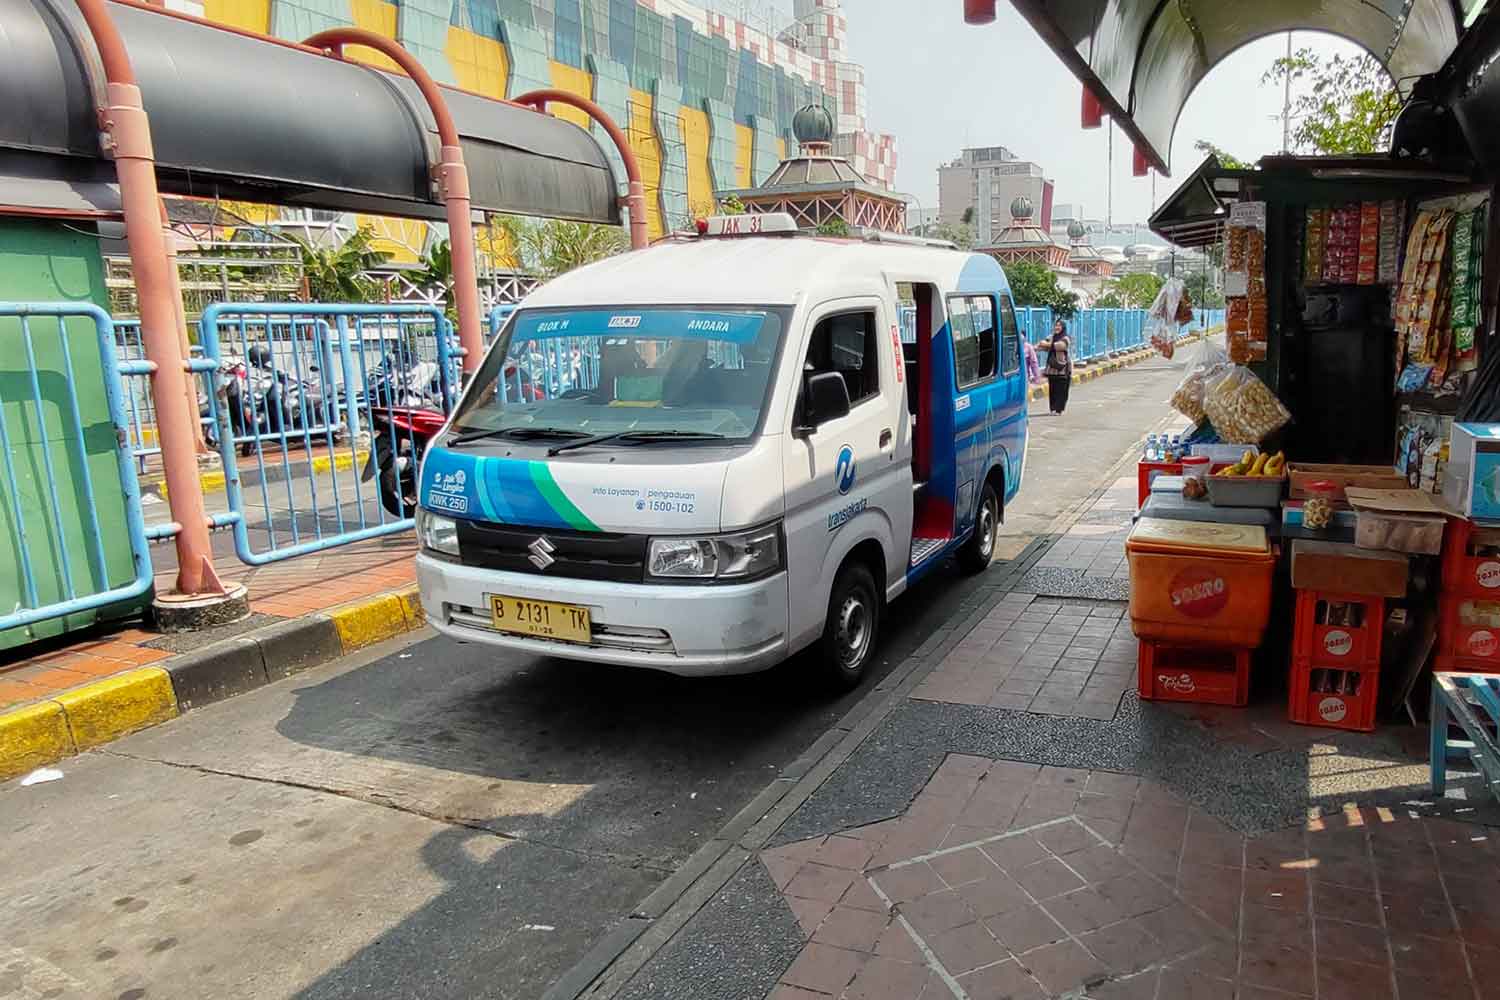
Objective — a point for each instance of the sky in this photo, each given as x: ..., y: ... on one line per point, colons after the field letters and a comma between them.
x: 999, y: 85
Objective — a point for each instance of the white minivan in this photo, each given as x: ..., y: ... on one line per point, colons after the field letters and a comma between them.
x: 730, y: 451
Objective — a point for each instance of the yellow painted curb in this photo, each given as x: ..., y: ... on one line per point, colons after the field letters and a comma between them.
x: 110, y: 708
x: 367, y: 622
x: 213, y: 481
x: 32, y: 736
x: 411, y: 604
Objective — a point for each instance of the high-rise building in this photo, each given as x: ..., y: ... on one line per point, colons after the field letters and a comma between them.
x: 822, y: 31
x: 984, y: 181
x: 706, y: 97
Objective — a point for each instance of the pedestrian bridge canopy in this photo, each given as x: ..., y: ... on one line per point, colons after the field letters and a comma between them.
x: 247, y: 118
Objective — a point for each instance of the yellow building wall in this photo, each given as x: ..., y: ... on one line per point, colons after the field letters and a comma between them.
x: 379, y: 17
x: 700, y: 188
x: 248, y: 15
x: 479, y: 64
x: 642, y: 134
x: 401, y: 239
x: 781, y: 148
x: 744, y: 145
x: 574, y: 81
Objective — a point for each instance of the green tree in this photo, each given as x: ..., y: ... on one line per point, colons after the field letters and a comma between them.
x: 1343, y: 104
x: 1109, y: 299
x: 731, y: 206
x: 960, y: 234
x: 549, y: 247
x: 1226, y: 161
x: 339, y: 274
x: 833, y: 227
x: 437, y: 272
x: 1031, y: 284
x: 1135, y: 291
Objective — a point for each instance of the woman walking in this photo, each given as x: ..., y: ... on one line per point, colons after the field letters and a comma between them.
x: 1059, y: 367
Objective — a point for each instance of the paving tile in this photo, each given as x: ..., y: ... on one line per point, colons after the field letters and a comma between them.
x: 1141, y: 986
x: 1083, y: 911
x: 861, y: 897
x: 1281, y: 968
x: 1185, y: 984
x: 1347, y: 903
x: 1352, y: 942
x: 967, y: 948
x: 1406, y: 914
x: 961, y: 867
x: 1025, y: 928
x: 785, y: 992
x: 1125, y: 947
x: 1104, y: 806
x: 816, y: 881
x: 1278, y: 890
x: 1100, y: 864
x: 1005, y: 981
x: 1064, y: 838
x: 997, y: 894
x: 843, y: 852
x: 888, y: 979
x: 1339, y: 980
x: 824, y: 969
x: 857, y: 930
x: 1134, y: 894
x: 780, y: 869
x: 1062, y: 966
x: 937, y: 912
x: 1013, y: 854
x: 896, y: 943
x: 902, y: 885
x: 1179, y: 929
x: 1047, y: 878
x: 809, y: 913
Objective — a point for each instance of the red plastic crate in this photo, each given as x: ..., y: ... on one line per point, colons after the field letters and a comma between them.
x: 1337, y: 698
x: 1339, y: 630
x: 1147, y: 471
x: 1207, y: 675
x: 1469, y: 632
x: 1463, y: 572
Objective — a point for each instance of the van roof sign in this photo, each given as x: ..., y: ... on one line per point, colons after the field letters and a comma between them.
x: 748, y: 224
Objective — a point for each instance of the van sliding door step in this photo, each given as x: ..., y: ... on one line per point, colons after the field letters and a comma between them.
x: 923, y: 549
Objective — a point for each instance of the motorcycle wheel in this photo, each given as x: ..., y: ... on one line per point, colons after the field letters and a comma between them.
x: 398, y: 488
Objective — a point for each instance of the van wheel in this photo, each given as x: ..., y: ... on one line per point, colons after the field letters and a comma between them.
x: 977, y: 552
x: 852, y: 626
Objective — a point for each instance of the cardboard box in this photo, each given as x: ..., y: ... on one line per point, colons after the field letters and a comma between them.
x: 1377, y: 477
x: 1339, y: 568
x: 1471, y: 479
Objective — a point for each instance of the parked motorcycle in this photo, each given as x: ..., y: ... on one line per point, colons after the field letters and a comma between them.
x: 399, y: 436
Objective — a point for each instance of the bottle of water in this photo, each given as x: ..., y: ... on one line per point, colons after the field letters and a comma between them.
x: 1151, y: 455
x: 1176, y: 447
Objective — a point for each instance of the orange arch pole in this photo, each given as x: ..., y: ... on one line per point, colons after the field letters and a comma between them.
x: 451, y: 175
x: 635, y: 200
x: 128, y: 134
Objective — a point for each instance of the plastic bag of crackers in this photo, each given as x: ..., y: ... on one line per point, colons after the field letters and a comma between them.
x: 1242, y: 408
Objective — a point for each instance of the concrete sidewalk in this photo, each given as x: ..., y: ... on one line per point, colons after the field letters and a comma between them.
x: 1006, y: 818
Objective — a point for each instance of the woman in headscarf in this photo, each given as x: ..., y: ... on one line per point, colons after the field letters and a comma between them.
x: 1059, y: 367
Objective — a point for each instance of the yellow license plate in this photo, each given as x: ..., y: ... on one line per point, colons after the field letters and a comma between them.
x: 543, y: 619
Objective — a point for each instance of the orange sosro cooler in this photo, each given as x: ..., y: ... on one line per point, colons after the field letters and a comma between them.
x: 1199, y: 582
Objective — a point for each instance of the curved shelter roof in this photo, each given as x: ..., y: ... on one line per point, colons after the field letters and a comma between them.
x: 1142, y: 58
x: 248, y: 118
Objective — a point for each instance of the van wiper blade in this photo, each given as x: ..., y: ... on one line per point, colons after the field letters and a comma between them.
x: 515, y: 433
x: 640, y: 436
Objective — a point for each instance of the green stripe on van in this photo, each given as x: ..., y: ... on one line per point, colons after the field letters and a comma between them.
x: 558, y: 500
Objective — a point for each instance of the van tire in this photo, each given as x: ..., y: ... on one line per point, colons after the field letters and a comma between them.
x: 852, y: 627
x: 977, y: 552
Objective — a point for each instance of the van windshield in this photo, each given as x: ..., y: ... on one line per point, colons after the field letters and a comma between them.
x: 654, y: 372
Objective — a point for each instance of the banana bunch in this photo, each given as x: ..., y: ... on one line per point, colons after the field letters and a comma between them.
x: 1253, y: 466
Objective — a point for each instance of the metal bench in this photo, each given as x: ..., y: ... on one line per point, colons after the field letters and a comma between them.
x: 1472, y: 701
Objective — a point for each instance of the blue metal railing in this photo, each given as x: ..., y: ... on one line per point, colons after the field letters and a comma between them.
x: 325, y: 391
x: 549, y: 367
x: 88, y: 586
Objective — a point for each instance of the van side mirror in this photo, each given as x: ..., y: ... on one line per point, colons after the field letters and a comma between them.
x: 826, y: 398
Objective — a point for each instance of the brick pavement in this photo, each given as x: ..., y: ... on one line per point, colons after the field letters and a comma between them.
x: 1006, y: 879
x: 277, y: 591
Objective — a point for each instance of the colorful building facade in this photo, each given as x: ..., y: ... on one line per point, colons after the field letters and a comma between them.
x: 706, y: 99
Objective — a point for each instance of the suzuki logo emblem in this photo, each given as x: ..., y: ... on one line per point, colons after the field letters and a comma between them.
x: 541, y: 553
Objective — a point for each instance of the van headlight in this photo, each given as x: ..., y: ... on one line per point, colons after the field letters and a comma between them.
x: 739, y: 556
x: 437, y: 533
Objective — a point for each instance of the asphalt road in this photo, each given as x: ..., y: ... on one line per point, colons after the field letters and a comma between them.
x: 428, y: 819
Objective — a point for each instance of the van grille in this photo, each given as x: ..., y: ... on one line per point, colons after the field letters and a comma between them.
x: 576, y: 555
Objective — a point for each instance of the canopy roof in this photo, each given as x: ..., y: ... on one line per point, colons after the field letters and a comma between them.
x: 247, y: 118
x: 1142, y: 58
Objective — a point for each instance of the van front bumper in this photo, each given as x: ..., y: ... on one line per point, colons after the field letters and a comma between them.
x: 694, y: 631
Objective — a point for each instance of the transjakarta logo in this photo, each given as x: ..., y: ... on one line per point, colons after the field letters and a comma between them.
x: 1482, y: 643
x: 1198, y: 593
x: 843, y: 471
x: 1338, y: 642
x: 1332, y: 709
x: 1487, y: 575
